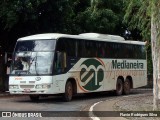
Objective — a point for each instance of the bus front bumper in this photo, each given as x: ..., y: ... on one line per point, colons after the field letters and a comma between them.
x: 31, y: 89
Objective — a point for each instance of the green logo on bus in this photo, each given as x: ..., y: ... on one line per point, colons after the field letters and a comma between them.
x: 92, y: 74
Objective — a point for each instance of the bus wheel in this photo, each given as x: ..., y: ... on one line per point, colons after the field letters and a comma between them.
x: 126, y: 88
x: 119, y: 87
x: 34, y: 97
x: 68, y: 92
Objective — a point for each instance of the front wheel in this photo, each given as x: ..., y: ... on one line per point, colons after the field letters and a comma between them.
x: 119, y: 87
x: 68, y: 92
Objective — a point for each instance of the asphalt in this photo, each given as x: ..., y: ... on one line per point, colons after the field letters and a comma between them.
x: 107, y: 109
x: 6, y: 93
x: 138, y: 101
x: 132, y: 102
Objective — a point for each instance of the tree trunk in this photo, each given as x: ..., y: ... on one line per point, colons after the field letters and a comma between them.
x: 158, y: 67
x: 155, y: 60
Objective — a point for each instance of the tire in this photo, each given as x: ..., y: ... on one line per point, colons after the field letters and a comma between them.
x: 68, y: 92
x: 126, y: 87
x: 34, y: 98
x: 119, y: 87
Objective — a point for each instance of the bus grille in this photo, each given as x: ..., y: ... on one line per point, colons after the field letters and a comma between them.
x: 27, y: 86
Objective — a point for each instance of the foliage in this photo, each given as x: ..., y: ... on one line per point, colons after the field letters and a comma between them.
x: 18, y: 11
x: 62, y: 15
x: 102, y: 17
x: 137, y: 16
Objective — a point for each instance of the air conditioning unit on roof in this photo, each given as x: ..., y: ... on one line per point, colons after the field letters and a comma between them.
x: 102, y: 36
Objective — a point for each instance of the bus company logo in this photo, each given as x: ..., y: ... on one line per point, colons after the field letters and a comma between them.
x: 92, y: 74
x: 127, y: 65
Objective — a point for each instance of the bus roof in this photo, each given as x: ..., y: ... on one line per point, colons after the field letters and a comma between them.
x: 88, y: 36
x: 102, y: 36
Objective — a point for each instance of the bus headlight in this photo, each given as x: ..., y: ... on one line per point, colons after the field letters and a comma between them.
x: 13, y: 87
x: 43, y: 86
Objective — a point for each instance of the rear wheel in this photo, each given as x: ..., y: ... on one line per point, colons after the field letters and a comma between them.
x: 119, y: 87
x: 68, y: 92
x: 127, y: 87
x: 34, y: 98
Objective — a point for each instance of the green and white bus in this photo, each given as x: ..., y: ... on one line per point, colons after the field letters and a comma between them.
x: 52, y: 63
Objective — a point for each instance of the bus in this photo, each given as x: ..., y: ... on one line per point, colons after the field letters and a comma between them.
x: 53, y: 63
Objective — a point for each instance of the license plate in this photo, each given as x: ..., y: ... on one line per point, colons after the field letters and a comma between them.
x: 27, y: 90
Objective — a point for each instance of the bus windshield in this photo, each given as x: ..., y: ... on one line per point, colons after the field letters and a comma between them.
x: 33, y: 57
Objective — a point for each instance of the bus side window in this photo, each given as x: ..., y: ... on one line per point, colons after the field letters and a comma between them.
x: 61, y: 61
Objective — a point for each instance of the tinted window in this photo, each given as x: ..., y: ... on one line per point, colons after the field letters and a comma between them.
x: 35, y: 45
x: 67, y: 45
x: 79, y: 48
x: 90, y: 48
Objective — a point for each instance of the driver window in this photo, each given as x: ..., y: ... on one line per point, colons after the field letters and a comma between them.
x: 60, y: 64
x: 21, y: 63
x: 61, y: 56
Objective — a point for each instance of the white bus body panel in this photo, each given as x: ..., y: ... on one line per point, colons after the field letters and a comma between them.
x: 27, y: 84
x: 138, y: 75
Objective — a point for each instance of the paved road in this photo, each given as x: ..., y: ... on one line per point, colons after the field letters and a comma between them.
x: 105, y: 107
x: 79, y: 103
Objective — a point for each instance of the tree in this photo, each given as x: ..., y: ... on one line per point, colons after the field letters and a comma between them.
x: 19, y: 11
x: 155, y: 42
x: 25, y: 17
x: 143, y: 14
x: 102, y: 17
x: 18, y: 18
x: 137, y: 16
